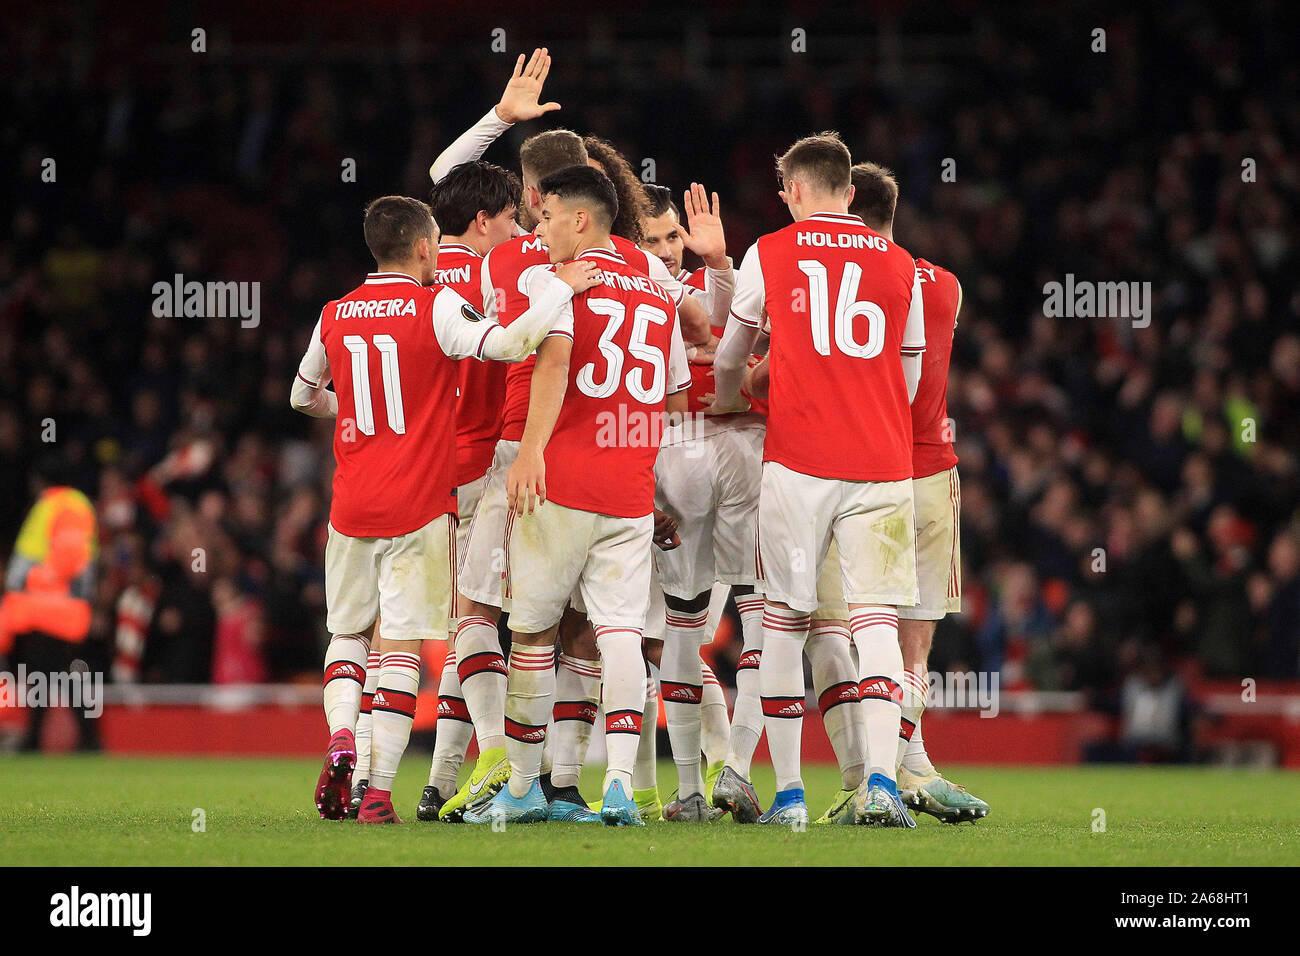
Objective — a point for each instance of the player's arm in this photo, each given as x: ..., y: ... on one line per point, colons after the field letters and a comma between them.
x: 747, y: 308
x: 679, y: 374
x: 465, y: 333
x: 757, y: 378
x: 518, y: 102
x: 526, y: 479
x: 694, y: 320
x: 914, y: 340
x: 309, y: 394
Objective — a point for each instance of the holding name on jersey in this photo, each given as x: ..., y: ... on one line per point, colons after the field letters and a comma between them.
x: 796, y: 407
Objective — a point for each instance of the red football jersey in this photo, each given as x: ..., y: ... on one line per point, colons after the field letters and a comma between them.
x: 932, y: 450
x: 395, y: 435
x: 601, y: 455
x: 503, y: 284
x: 842, y: 302
x: 481, y: 390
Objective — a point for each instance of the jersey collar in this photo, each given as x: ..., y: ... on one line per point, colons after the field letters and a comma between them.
x: 840, y: 217
x: 457, y: 247
x: 389, y: 278
x: 607, y: 254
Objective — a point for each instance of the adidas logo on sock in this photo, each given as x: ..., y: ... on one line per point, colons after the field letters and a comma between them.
x: 624, y: 722
x: 380, y: 700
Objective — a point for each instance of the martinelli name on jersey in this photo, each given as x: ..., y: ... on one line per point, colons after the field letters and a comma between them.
x: 634, y: 283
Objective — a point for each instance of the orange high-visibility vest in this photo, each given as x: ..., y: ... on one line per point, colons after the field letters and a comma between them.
x: 59, y: 537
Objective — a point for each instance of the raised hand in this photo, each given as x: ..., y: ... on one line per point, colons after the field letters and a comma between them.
x: 702, y: 232
x: 519, y: 101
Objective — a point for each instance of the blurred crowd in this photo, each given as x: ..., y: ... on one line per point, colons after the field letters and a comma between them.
x: 1130, y: 495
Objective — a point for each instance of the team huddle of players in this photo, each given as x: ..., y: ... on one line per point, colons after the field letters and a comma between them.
x: 580, y: 434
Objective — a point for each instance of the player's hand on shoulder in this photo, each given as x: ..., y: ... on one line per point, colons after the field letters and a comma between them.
x: 519, y: 101
x: 526, y: 482
x: 580, y: 274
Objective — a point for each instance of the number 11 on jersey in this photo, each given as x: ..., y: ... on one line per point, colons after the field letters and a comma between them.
x: 386, y: 345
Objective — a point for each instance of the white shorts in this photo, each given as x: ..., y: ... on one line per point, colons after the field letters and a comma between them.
x: 407, y: 580
x: 938, y: 546
x: 710, y: 485
x: 656, y: 619
x: 482, y: 572
x: 557, y: 549
x: 870, y: 521
x: 830, y: 589
x: 467, y: 499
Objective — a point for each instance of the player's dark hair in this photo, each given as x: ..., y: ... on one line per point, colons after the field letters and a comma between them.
x: 470, y: 187
x: 549, y: 152
x: 631, y: 192
x: 823, y: 161
x: 586, y: 184
x: 394, y: 224
x: 659, y: 200
x: 875, y: 195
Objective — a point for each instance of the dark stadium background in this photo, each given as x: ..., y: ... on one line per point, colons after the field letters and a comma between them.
x: 1073, y: 434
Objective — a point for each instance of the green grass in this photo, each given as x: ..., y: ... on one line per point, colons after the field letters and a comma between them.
x: 120, y: 811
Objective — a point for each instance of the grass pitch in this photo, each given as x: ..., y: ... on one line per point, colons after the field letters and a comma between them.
x: 118, y: 811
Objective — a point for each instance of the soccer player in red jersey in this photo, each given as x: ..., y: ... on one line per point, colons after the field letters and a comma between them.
x: 480, y: 667
x: 937, y: 493
x: 475, y: 206
x: 480, y: 581
x: 582, y: 492
x: 844, y: 307
x: 504, y: 276
x: 392, y: 546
